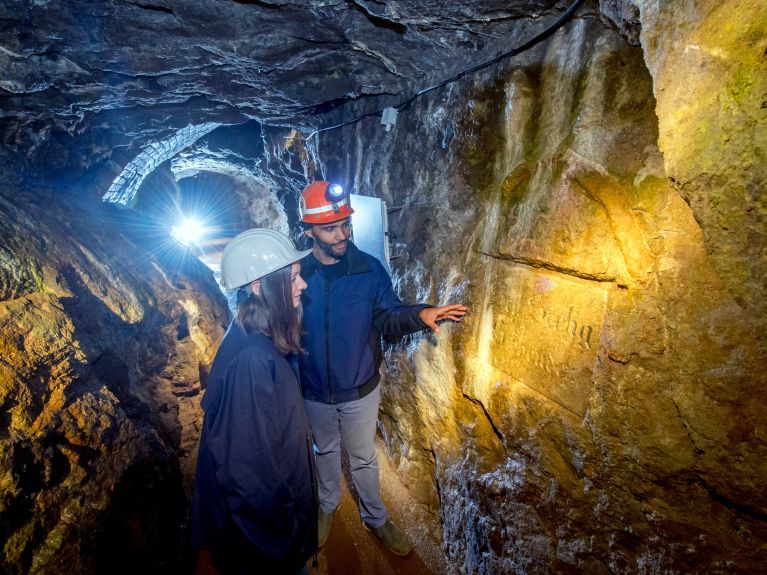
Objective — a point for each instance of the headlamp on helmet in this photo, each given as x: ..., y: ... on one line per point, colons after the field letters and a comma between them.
x: 323, y: 202
x: 334, y: 193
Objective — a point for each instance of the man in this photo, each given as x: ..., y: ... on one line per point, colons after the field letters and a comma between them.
x: 348, y: 304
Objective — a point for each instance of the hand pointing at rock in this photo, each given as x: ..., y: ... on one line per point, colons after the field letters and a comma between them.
x: 432, y: 315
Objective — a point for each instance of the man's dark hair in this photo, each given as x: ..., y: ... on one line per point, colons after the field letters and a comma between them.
x: 272, y: 313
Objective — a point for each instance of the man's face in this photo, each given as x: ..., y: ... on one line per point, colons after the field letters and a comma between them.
x: 330, y: 240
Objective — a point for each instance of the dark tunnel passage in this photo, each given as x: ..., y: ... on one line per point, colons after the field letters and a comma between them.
x: 596, y: 197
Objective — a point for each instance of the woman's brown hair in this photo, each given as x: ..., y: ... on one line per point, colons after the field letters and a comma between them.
x: 272, y: 313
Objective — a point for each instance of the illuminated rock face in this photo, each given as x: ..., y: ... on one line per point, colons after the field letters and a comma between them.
x: 710, y: 74
x: 104, y: 345
x: 601, y: 409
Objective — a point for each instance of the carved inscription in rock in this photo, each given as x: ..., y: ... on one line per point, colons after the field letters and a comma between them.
x: 546, y: 330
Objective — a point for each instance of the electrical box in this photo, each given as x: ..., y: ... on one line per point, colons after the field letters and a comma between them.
x: 370, y: 227
x: 389, y: 118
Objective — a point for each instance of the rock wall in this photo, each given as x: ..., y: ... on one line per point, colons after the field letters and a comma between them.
x: 709, y: 66
x: 600, y: 409
x: 105, y: 336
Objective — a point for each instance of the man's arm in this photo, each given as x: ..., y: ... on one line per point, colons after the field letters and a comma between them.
x: 395, y: 319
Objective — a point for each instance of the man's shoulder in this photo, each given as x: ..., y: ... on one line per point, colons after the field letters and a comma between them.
x: 360, y: 261
x: 308, y: 260
x: 308, y: 265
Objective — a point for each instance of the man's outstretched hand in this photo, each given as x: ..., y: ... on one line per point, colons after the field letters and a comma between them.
x: 431, y: 315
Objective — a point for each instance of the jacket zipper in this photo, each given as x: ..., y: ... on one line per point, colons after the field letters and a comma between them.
x: 327, y: 338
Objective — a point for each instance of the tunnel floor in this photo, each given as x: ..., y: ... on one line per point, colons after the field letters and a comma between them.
x: 352, y: 550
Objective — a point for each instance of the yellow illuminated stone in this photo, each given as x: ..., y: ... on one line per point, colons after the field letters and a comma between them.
x: 546, y: 332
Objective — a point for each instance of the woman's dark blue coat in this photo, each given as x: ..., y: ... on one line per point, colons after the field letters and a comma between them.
x: 255, y: 493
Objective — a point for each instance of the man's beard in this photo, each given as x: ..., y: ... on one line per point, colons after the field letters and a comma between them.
x: 330, y: 249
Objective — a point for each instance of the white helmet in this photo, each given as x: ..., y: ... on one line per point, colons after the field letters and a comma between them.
x: 255, y: 253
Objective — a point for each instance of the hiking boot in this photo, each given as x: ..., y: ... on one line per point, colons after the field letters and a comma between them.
x: 392, y: 538
x: 324, y: 522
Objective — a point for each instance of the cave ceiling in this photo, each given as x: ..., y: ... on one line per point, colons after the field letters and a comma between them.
x: 145, y: 69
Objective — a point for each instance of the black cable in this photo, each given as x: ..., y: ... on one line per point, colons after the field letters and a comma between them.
x: 513, y: 52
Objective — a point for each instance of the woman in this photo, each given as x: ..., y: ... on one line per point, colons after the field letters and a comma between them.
x: 255, y: 506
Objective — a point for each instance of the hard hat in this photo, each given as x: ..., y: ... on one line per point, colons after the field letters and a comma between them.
x: 255, y: 253
x: 322, y: 202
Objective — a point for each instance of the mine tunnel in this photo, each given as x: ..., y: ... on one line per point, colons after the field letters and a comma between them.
x: 586, y: 176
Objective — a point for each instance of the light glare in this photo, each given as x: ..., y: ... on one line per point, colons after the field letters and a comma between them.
x: 189, y: 231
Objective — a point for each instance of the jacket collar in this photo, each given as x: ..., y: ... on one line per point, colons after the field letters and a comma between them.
x: 355, y: 262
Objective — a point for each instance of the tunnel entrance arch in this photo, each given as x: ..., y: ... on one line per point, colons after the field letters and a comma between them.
x: 206, y: 173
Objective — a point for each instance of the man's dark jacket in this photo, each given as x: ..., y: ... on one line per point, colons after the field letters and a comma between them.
x: 343, y: 323
x: 255, y: 504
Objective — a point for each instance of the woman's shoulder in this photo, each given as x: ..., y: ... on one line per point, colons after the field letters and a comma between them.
x: 261, y: 349
x: 249, y: 359
x: 240, y: 348
x: 258, y: 347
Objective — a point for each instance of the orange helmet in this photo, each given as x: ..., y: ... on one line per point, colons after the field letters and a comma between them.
x: 322, y: 202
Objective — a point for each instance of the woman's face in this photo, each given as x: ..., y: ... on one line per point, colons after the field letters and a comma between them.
x: 297, y: 283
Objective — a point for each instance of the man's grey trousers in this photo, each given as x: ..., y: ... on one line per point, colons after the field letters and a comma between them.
x: 352, y: 424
